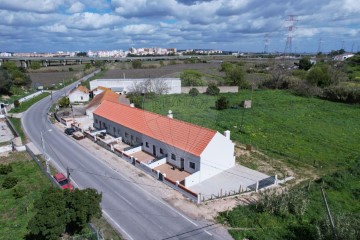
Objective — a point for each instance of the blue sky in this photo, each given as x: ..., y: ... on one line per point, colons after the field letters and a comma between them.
x: 237, y: 25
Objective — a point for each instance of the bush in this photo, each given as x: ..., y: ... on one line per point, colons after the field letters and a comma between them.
x: 10, y: 182
x: 5, y: 169
x: 222, y: 103
x: 194, y: 92
x: 319, y: 76
x: 71, y: 69
x: 342, y: 94
x: 191, y: 78
x: 18, y: 192
x: 64, y: 102
x: 212, y: 89
x: 136, y: 64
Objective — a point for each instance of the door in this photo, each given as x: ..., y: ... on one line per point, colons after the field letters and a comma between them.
x: 182, y: 162
x: 154, y: 150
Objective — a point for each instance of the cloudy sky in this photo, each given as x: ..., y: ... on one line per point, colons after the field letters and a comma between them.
x: 237, y: 25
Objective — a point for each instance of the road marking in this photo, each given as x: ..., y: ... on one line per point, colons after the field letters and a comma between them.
x: 207, y: 232
x: 121, y: 229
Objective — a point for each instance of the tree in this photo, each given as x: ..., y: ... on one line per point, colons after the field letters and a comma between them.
x: 87, y: 66
x: 235, y: 76
x: 59, y: 211
x: 305, y: 63
x: 226, y: 66
x: 319, y: 76
x: 137, y: 64
x: 5, y: 82
x: 64, y: 102
x: 222, y: 103
x: 35, y: 65
x: 212, y: 89
x: 193, y: 92
x: 191, y: 78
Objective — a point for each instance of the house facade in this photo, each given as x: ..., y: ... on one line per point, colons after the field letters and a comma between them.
x: 199, y: 151
x: 79, y: 94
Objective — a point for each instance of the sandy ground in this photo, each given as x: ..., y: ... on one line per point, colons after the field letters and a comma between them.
x: 205, y: 211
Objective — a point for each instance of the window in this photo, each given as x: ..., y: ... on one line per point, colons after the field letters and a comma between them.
x: 192, y: 165
x: 126, y: 134
x: 96, y: 121
x: 147, y: 144
x: 161, y: 151
x: 114, y: 130
x: 82, y: 98
x: 173, y: 157
x: 137, y: 140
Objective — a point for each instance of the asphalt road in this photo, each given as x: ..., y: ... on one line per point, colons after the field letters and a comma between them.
x: 133, y: 211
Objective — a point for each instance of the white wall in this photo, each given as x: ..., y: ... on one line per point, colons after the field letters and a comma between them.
x: 78, y: 96
x: 173, y: 83
x: 217, y: 157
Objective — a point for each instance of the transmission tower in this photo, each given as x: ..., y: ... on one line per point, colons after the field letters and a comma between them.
x: 319, y: 46
x: 291, y: 29
x: 266, y: 43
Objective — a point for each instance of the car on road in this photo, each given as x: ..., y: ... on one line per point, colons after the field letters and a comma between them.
x: 63, y: 181
x: 69, y: 131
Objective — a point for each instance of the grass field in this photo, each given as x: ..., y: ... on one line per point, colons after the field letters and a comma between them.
x: 15, y: 213
x: 296, y: 129
x: 27, y: 104
x: 17, y: 124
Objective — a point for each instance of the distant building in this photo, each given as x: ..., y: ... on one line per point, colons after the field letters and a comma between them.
x: 123, y: 86
x: 79, y: 94
x: 343, y: 57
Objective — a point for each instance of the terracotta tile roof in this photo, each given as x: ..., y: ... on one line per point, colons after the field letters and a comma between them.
x: 182, y: 135
x: 105, y: 95
x: 82, y: 89
x: 100, y: 88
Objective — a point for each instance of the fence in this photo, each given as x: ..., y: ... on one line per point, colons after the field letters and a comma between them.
x: 30, y: 96
x: 180, y: 188
x: 263, y: 183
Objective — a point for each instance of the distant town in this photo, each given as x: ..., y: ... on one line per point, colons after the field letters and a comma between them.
x: 153, y: 51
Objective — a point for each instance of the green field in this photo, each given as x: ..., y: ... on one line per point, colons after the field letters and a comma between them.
x: 17, y: 124
x: 15, y: 213
x: 296, y: 129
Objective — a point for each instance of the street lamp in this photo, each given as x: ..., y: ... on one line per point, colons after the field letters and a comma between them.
x: 44, y: 151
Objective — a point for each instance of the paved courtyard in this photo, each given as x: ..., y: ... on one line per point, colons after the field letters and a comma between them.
x: 228, y: 181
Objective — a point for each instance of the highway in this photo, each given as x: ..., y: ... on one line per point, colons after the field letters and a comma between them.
x: 130, y: 209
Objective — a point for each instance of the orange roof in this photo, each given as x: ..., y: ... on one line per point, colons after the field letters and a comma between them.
x: 105, y: 95
x: 182, y: 135
x: 82, y: 89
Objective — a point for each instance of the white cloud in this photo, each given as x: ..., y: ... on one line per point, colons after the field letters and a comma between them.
x: 76, y: 7
x: 56, y: 28
x: 139, y: 29
x: 31, y: 5
x: 88, y: 20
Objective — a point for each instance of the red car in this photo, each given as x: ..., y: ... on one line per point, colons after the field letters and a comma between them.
x: 63, y: 181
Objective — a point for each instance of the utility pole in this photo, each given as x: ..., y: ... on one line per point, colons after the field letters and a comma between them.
x: 329, y: 214
x: 68, y: 177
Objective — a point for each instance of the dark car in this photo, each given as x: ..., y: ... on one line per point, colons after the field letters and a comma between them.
x: 63, y: 181
x: 70, y: 131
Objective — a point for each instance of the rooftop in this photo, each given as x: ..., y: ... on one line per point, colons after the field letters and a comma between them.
x: 107, y: 95
x: 179, y: 134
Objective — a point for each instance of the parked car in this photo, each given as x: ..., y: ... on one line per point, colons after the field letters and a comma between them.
x: 63, y: 181
x: 69, y: 131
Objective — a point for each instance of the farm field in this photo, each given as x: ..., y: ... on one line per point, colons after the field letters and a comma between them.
x: 164, y: 71
x: 305, y: 132
x: 16, y: 211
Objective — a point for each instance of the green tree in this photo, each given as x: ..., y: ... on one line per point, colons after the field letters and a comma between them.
x: 5, y: 82
x: 305, y: 63
x: 222, y: 103
x: 319, y: 76
x: 236, y: 77
x: 191, y: 78
x: 212, y: 89
x: 50, y: 220
x: 35, y: 65
x: 193, y: 92
x: 64, y: 102
x: 226, y: 66
x: 137, y: 64
x: 87, y: 66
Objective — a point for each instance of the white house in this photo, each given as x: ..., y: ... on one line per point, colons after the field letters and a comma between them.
x: 343, y: 57
x: 199, y: 151
x: 159, y: 85
x: 99, y: 98
x: 79, y: 94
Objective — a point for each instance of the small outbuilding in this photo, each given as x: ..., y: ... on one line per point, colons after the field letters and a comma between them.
x: 79, y: 94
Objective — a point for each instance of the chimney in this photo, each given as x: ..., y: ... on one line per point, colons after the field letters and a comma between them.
x: 227, y: 134
x: 170, y: 115
x: 132, y: 105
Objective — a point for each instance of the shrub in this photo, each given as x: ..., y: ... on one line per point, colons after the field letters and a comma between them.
x: 18, y: 192
x: 191, y: 78
x: 5, y: 169
x: 194, y: 92
x: 342, y: 94
x: 71, y: 69
x: 222, y: 103
x: 10, y: 182
x: 136, y: 64
x: 212, y: 89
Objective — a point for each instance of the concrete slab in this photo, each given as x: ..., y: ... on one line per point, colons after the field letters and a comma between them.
x: 172, y: 172
x: 5, y: 132
x: 33, y: 148
x: 228, y: 181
